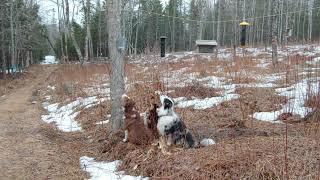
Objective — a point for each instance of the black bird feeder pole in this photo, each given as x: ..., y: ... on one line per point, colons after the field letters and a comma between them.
x: 163, y: 45
x: 243, y: 26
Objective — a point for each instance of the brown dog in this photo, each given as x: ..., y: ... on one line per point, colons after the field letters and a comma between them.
x: 135, y: 130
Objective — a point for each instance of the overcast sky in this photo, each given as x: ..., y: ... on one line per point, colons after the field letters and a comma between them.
x: 48, y: 10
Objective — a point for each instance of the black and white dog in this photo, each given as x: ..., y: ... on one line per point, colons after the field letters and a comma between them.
x: 171, y: 127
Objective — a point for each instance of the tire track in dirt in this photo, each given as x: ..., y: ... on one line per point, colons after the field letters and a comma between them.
x: 27, y: 151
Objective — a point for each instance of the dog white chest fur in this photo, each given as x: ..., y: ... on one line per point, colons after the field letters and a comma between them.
x: 166, y: 114
x: 163, y: 122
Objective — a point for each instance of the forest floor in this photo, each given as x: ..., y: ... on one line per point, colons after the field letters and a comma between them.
x: 264, y: 120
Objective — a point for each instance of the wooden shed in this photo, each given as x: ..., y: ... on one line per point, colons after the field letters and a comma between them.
x: 206, y: 46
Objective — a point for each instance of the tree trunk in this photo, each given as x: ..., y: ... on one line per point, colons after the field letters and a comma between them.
x: 269, y: 33
x: 218, y: 23
x: 201, y: 24
x: 310, y: 14
x: 275, y: 5
x: 235, y: 24
x: 28, y: 59
x: 280, y: 32
x: 62, y: 58
x: 73, y: 38
x: 66, y: 27
x: 213, y: 23
x: 76, y: 46
x: 173, y: 32
x: 117, y: 63
x: 99, y: 48
x: 4, y: 62
x: 13, y: 44
x: 137, y: 33
x: 88, y: 41
x: 299, y: 19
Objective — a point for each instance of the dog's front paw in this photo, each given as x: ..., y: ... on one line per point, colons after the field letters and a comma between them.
x: 125, y: 140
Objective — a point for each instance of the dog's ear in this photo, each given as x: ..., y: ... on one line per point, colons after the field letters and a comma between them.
x: 124, y: 99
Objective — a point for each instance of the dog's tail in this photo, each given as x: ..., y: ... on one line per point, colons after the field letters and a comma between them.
x: 207, y: 142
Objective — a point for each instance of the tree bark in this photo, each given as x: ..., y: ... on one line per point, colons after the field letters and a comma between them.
x: 275, y: 5
x: 137, y: 33
x: 62, y: 58
x: 73, y: 38
x: 310, y: 14
x: 117, y: 62
x: 66, y: 26
x: 173, y: 33
x: 88, y: 41
x: 12, y: 30
x: 220, y: 5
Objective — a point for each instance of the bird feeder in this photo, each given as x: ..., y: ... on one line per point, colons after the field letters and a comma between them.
x: 163, y: 45
x: 243, y: 26
x: 121, y: 43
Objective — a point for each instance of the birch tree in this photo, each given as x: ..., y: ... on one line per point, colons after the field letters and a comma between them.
x: 274, y: 24
x: 310, y: 14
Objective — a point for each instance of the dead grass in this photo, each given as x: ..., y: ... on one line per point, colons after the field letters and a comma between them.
x: 245, y: 149
x: 195, y: 90
x: 18, y: 80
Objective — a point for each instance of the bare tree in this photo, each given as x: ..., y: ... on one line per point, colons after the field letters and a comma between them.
x: 12, y: 30
x: 117, y: 62
x: 73, y: 38
x: 274, y: 24
x: 310, y: 14
x: 173, y: 33
x: 88, y: 40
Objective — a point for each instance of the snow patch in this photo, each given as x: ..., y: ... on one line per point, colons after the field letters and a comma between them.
x: 47, y: 98
x: 315, y: 61
x: 207, y: 142
x: 105, y: 170
x: 64, y: 116
x: 49, y: 60
x: 104, y: 122
x: 204, y: 103
x: 297, y: 95
x: 51, y: 87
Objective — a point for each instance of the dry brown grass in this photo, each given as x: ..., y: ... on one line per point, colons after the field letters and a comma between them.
x: 241, y: 70
x: 194, y: 90
x: 245, y: 149
x: 18, y: 80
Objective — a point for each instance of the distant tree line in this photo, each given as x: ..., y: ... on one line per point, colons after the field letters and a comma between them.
x: 22, y: 37
x: 185, y: 21
x: 24, y: 40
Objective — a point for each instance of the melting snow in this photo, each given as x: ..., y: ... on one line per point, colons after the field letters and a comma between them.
x: 297, y: 95
x: 106, y: 121
x: 47, y: 98
x: 49, y: 60
x: 51, y: 87
x: 204, y: 103
x: 64, y: 116
x: 104, y: 170
x: 103, y: 122
x: 207, y: 142
x: 315, y: 61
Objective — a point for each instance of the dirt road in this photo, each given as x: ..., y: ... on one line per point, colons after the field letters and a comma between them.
x: 30, y: 149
